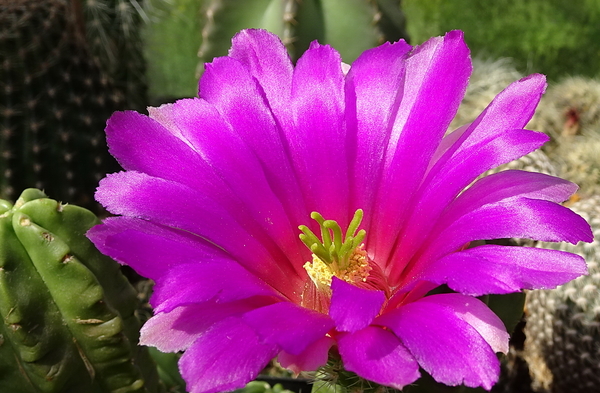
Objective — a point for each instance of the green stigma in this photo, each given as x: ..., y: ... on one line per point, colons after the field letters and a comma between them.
x: 334, y: 248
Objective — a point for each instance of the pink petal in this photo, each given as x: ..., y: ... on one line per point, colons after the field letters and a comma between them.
x: 219, y: 279
x: 139, y: 195
x: 501, y: 269
x: 353, y: 308
x: 435, y: 82
x: 149, y: 248
x: 457, y: 173
x: 509, y: 184
x: 445, y: 345
x: 511, y: 109
x: 224, y: 358
x: 478, y: 315
x: 266, y: 58
x: 204, y: 128
x: 516, y: 217
x: 289, y: 326
x: 318, y: 140
x: 378, y: 72
x: 377, y: 355
x: 185, y: 323
x: 230, y: 87
x: 139, y: 143
x: 313, y: 357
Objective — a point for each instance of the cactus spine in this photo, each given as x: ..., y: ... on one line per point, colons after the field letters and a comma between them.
x: 67, y: 313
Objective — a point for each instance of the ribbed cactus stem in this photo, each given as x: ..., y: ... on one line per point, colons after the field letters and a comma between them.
x: 68, y: 314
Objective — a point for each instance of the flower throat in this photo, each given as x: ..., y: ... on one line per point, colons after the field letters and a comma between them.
x: 335, y: 254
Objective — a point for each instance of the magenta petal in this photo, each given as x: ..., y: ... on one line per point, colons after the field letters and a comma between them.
x: 268, y: 61
x: 511, y: 109
x: 230, y: 87
x: 139, y: 195
x: 139, y: 142
x: 444, y: 344
x: 318, y: 140
x: 185, y: 323
x: 291, y: 327
x: 516, y: 217
x: 378, y: 72
x: 224, y: 358
x: 202, y: 125
x: 313, y: 357
x: 444, y: 184
x: 182, y: 325
x: 509, y: 184
x: 478, y: 315
x: 353, y: 308
x: 501, y: 269
x: 219, y: 279
x: 436, y: 78
x: 149, y: 248
x: 377, y: 355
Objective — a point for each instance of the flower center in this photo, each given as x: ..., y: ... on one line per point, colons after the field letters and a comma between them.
x: 335, y: 254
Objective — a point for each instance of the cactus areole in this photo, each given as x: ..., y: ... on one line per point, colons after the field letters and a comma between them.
x: 308, y: 211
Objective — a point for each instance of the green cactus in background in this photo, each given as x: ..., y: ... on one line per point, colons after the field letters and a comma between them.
x: 67, y: 314
x: 56, y: 92
x: 182, y: 30
x: 350, y: 26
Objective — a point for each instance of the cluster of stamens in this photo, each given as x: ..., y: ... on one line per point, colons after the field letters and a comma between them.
x: 336, y: 255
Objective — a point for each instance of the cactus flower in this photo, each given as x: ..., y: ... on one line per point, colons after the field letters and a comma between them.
x: 294, y: 211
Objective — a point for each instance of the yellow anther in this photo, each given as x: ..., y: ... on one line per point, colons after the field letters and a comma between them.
x: 321, y: 273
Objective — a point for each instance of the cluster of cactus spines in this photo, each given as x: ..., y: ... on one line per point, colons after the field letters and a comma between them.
x: 67, y: 314
x: 55, y: 97
x: 113, y: 33
x: 351, y: 26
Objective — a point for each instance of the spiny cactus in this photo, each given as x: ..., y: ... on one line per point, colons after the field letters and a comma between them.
x: 351, y: 26
x: 262, y: 387
x: 563, y: 325
x: 55, y: 97
x: 67, y: 314
x: 113, y: 33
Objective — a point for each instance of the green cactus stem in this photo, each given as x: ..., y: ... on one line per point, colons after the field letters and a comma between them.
x: 67, y: 313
